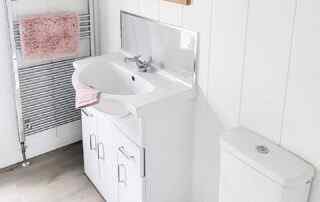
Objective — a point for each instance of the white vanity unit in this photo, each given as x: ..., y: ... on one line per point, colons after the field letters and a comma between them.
x: 137, y: 141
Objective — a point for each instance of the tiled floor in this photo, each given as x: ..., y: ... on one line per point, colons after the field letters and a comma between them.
x: 54, y: 177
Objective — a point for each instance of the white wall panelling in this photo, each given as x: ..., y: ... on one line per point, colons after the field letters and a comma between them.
x: 197, y: 17
x: 24, y: 7
x: 170, y: 13
x: 9, y: 141
x: 53, y: 139
x: 109, y: 25
x: 228, y: 43
x: 132, y: 6
x: 302, y: 115
x: 150, y: 8
x: 302, y: 111
x: 266, y: 65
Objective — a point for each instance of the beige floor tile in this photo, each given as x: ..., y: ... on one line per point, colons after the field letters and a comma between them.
x: 54, y: 177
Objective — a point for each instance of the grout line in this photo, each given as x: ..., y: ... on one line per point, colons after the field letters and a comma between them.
x: 244, y: 61
x: 288, y: 71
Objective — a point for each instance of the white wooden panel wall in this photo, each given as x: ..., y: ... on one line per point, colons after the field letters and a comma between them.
x: 228, y: 40
x: 170, y: 13
x: 197, y: 17
x: 9, y: 143
x: 109, y: 25
x: 301, y: 132
x: 132, y: 6
x: 150, y: 8
x: 266, y: 65
x: 302, y: 117
x: 281, y: 74
x: 45, y: 6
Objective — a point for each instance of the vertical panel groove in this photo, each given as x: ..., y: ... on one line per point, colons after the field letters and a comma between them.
x: 289, y: 69
x: 244, y: 61
x: 210, y: 48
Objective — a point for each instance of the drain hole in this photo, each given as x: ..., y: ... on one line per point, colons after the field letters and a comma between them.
x: 262, y: 149
x: 133, y: 78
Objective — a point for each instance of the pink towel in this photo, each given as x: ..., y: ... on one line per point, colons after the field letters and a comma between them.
x: 85, y: 95
x: 50, y: 36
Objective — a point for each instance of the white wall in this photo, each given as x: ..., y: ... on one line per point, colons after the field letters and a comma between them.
x: 277, y: 63
x: 9, y: 144
x: 258, y: 67
x: 301, y: 126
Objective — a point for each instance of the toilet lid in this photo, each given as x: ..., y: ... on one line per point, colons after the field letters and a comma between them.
x: 268, y: 158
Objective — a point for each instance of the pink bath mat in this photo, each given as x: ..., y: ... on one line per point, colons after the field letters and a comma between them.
x: 50, y: 36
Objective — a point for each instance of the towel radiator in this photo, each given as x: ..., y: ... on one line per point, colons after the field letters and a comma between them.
x: 45, y: 97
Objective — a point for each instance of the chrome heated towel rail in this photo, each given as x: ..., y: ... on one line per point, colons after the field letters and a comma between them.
x: 44, y: 92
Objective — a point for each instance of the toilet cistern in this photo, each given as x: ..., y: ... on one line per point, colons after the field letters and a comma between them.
x: 256, y: 169
x: 142, y: 65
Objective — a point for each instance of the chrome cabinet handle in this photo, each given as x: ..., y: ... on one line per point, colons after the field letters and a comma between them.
x: 122, y: 179
x: 86, y: 113
x: 125, y: 153
x: 93, y: 142
x: 100, y: 151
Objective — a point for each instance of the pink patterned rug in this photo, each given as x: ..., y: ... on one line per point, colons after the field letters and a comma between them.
x: 50, y: 36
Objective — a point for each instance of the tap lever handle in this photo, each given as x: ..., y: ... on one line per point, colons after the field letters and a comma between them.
x: 137, y: 56
x: 133, y: 59
x: 149, y: 61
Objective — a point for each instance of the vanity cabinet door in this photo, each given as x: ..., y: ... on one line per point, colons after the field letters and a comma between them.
x: 107, y: 155
x: 89, y: 139
x: 130, y: 181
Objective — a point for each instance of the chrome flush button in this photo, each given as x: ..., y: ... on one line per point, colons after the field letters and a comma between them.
x: 262, y: 149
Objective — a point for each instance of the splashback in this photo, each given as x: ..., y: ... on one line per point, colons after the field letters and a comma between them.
x: 172, y: 49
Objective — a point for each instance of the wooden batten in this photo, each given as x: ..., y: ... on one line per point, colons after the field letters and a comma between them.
x: 184, y: 2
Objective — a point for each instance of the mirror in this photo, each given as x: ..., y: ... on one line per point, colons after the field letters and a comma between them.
x: 172, y: 49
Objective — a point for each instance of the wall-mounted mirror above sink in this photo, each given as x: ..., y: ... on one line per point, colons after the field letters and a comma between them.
x: 172, y: 49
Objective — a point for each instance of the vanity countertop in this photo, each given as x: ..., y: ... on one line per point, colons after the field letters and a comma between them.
x: 165, y: 85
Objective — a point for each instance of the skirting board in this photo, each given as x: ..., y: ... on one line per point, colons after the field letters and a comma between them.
x: 53, y: 139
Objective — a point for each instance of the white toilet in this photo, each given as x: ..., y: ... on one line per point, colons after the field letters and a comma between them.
x: 254, y: 169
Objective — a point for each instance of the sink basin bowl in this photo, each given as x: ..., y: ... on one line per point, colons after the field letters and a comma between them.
x: 123, y: 90
x: 114, y: 80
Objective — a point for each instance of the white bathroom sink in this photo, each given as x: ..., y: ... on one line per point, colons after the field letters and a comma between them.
x: 114, y: 80
x: 123, y: 89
